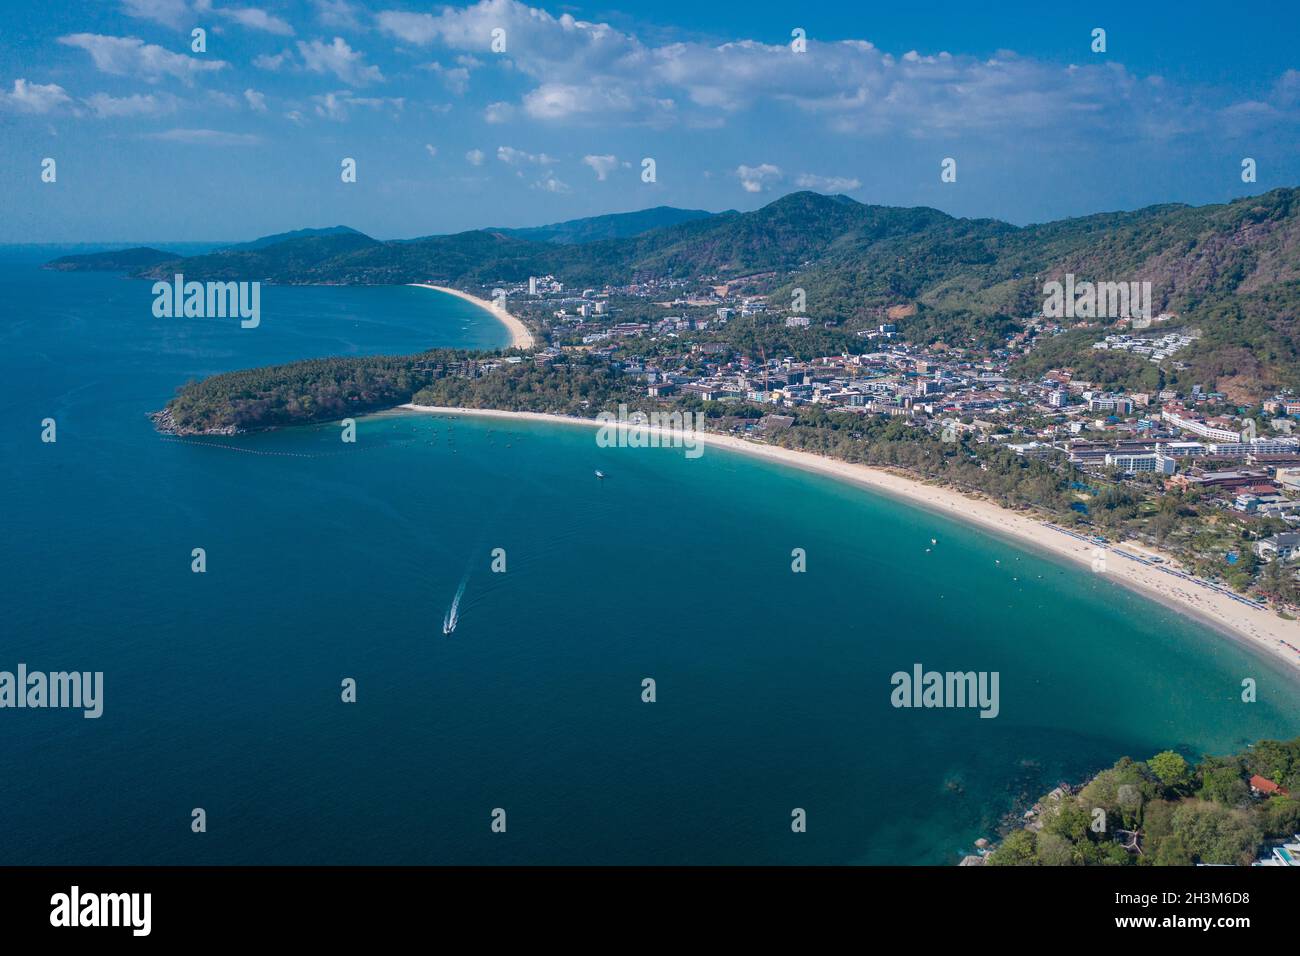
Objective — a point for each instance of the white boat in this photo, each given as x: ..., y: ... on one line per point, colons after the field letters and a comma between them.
x: 452, y: 617
x: 600, y: 474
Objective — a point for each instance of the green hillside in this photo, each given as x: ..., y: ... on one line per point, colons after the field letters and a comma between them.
x: 1232, y: 270
x: 118, y: 260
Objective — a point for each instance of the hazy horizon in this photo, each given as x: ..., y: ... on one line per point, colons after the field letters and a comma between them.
x: 538, y: 225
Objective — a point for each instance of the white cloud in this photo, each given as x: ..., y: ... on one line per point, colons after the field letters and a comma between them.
x: 517, y: 157
x: 332, y: 106
x: 537, y: 41
x: 1250, y: 117
x: 338, y: 13
x: 602, y: 165
x: 272, y: 63
x: 170, y: 13
x: 256, y: 101
x: 596, y: 101
x: 340, y: 59
x: 206, y: 137
x: 34, y: 97
x: 1287, y: 89
x: 548, y: 183
x: 755, y: 179
x: 431, y: 150
x: 827, y: 184
x: 338, y: 106
x: 455, y: 78
x: 500, y: 112
x: 115, y: 107
x: 223, y: 99
x: 582, y: 70
x: 474, y: 157
x: 131, y: 56
x: 586, y: 72
x: 419, y: 28
x: 254, y: 19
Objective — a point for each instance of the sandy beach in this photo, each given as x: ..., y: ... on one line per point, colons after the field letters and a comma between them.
x: 1257, y: 627
x: 520, y: 337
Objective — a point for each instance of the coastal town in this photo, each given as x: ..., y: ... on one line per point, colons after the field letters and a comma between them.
x: 1232, y: 468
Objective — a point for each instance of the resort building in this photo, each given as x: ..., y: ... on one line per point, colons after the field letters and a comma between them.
x: 1199, y: 428
x: 1240, y: 449
x: 1111, y: 404
x: 1133, y: 463
x: 1285, y: 546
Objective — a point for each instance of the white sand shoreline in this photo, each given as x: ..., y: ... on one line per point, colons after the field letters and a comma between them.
x: 1259, y: 629
x: 520, y: 337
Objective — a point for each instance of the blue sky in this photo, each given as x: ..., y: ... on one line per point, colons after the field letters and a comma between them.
x: 155, y: 142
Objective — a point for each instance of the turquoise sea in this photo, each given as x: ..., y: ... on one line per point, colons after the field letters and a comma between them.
x: 327, y: 561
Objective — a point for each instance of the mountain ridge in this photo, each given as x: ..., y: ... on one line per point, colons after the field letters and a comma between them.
x: 964, y: 281
x: 617, y: 225
x: 276, y: 238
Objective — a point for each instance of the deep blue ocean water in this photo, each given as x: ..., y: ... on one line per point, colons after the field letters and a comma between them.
x: 327, y: 560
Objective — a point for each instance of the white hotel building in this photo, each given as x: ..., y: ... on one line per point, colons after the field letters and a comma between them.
x: 1134, y: 462
x: 1200, y: 428
x: 1264, y: 446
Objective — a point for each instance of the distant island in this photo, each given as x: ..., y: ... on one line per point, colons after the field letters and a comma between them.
x: 1226, y: 811
x: 120, y: 260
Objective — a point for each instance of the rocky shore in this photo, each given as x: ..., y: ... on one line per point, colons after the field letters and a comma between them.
x: 166, y: 424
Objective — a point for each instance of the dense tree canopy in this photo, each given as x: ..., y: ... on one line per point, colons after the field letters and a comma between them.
x: 1180, y: 813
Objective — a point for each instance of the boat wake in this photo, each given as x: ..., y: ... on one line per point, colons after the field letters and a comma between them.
x: 452, y: 617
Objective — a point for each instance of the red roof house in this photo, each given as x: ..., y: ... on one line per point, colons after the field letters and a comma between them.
x: 1264, y: 785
